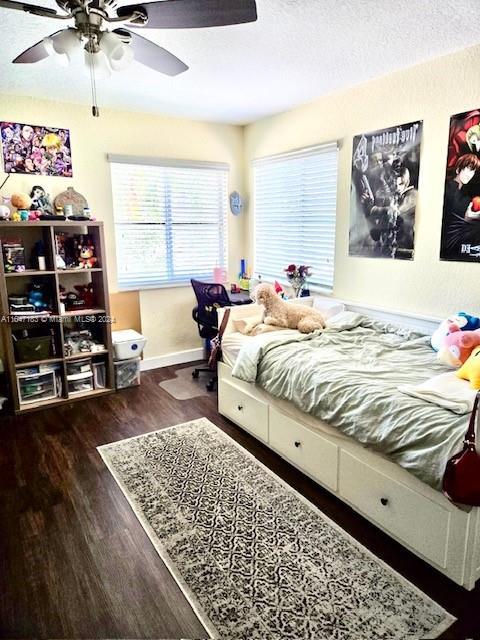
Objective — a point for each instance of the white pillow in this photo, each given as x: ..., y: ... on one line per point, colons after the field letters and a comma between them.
x: 328, y: 308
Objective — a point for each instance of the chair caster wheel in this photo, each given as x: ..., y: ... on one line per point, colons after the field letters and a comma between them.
x: 195, y: 374
x: 210, y: 385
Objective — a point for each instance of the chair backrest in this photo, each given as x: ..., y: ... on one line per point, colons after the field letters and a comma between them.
x: 210, y: 296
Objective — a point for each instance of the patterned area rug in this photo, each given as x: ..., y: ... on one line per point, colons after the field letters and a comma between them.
x: 253, y: 557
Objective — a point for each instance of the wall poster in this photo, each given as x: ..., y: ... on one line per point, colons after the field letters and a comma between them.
x: 460, y: 239
x: 383, y: 197
x: 41, y: 151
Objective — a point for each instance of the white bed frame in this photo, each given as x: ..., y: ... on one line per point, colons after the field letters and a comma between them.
x: 411, y: 512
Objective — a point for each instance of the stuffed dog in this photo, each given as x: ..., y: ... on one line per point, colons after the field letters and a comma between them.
x: 286, y: 314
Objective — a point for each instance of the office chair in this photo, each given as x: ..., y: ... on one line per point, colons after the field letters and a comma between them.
x: 209, y: 298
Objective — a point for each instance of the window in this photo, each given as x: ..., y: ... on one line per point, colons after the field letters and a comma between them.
x: 295, y: 196
x: 170, y: 220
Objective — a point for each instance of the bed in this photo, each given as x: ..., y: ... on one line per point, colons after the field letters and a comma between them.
x: 372, y: 463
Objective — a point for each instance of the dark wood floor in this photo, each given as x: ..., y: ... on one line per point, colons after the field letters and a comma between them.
x: 74, y: 560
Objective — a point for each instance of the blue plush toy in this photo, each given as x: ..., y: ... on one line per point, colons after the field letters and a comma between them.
x: 36, y: 297
x: 472, y: 322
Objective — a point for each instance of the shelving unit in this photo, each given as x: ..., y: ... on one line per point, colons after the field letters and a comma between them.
x: 58, y: 323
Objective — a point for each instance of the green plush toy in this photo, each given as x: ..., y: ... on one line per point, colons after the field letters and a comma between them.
x: 470, y: 370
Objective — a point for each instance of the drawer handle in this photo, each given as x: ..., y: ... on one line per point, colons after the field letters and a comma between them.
x: 297, y: 443
x: 384, y: 501
x: 240, y: 407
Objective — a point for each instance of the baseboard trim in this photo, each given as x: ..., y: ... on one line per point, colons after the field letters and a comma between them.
x: 169, y: 359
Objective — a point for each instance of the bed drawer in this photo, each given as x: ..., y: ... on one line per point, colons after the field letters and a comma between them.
x: 304, y: 448
x: 416, y: 520
x: 245, y: 410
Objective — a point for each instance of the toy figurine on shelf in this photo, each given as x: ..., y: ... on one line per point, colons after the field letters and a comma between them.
x: 85, y: 292
x: 74, y: 302
x: 41, y: 202
x: 37, y: 297
x: 62, y: 298
x: 4, y: 212
x: 86, y: 255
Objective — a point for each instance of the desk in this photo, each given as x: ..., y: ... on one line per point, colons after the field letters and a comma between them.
x: 239, y: 298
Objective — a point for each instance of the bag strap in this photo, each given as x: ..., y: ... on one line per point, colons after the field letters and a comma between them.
x: 470, y: 435
x: 223, y: 325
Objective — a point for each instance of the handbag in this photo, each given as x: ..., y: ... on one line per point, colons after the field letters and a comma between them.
x: 461, y: 480
x: 216, y: 342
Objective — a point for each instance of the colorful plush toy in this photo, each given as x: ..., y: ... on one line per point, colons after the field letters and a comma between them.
x: 458, y: 346
x: 86, y: 256
x: 470, y: 370
x: 36, y: 297
x: 460, y: 322
x: 21, y: 201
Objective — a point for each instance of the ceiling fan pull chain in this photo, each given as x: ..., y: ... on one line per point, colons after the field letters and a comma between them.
x: 93, y: 86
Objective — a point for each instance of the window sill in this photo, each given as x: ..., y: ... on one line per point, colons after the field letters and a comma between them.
x: 164, y: 285
x: 324, y: 291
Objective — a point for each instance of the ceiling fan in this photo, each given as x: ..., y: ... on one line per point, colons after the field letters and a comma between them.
x: 107, y: 50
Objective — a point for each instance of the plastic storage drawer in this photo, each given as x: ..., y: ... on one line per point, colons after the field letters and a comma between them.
x: 127, y: 373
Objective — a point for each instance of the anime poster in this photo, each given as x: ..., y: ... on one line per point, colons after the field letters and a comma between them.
x: 385, y: 168
x: 460, y: 238
x: 41, y: 151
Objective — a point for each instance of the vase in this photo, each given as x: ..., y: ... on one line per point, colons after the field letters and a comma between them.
x: 297, y: 285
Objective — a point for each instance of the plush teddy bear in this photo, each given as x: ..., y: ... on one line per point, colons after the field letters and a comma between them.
x: 458, y: 346
x: 86, y: 256
x: 470, y: 370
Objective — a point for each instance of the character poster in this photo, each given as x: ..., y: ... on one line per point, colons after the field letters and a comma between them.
x: 385, y: 168
x: 460, y: 238
x: 41, y: 151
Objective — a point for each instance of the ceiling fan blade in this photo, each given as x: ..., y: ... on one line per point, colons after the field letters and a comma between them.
x: 151, y: 55
x: 191, y: 14
x: 29, y: 8
x: 35, y: 53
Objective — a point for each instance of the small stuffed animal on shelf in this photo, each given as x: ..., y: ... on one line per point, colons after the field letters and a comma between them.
x: 86, y: 256
x: 470, y: 370
x: 36, y: 297
x: 22, y: 202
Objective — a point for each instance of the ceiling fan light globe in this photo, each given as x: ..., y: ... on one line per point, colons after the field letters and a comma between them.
x: 59, y: 58
x: 110, y: 43
x: 99, y: 62
x: 121, y: 59
x: 67, y: 41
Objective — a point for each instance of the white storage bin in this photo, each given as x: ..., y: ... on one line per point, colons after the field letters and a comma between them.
x: 127, y: 344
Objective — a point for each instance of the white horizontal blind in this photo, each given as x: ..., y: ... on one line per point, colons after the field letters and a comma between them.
x: 295, y: 196
x: 170, y: 221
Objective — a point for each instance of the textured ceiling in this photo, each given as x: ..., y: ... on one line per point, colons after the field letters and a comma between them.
x: 295, y: 52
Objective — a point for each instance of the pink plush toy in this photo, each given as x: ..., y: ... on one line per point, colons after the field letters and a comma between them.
x: 458, y: 346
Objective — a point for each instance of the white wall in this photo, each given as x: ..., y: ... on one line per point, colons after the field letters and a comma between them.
x: 431, y: 92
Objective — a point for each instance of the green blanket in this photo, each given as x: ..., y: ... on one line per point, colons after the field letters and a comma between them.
x: 348, y: 377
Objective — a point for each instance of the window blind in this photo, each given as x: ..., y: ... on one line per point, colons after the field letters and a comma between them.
x: 295, y: 197
x: 170, y: 220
